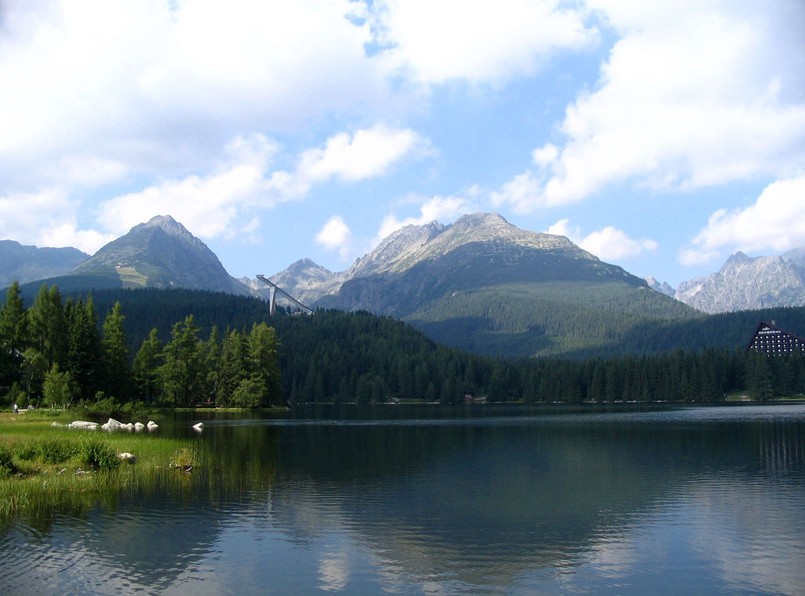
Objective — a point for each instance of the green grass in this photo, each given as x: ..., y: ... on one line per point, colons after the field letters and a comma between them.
x: 43, y: 467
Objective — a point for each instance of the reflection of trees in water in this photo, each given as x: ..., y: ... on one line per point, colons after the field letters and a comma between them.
x: 781, y: 448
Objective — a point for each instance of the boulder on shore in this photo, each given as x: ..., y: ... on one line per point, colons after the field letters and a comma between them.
x: 83, y: 425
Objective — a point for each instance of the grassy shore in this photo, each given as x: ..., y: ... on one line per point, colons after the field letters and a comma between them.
x: 42, y: 465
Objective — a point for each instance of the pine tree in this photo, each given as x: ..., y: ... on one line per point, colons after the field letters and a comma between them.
x: 232, y: 366
x: 115, y: 355
x: 47, y: 325
x: 13, y: 335
x: 83, y: 356
x: 264, y: 362
x: 182, y: 375
x: 145, y: 369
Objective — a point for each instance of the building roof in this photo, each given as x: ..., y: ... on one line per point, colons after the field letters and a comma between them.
x: 771, y: 340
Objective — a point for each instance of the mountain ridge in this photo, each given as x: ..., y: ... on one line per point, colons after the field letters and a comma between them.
x: 28, y: 263
x: 749, y: 283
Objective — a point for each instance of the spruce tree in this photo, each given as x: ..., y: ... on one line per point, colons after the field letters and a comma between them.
x: 116, y: 375
x: 13, y: 335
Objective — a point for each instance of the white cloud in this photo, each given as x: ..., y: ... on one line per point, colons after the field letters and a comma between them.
x: 434, y: 41
x: 48, y: 219
x: 523, y: 193
x: 223, y: 202
x: 608, y: 243
x: 215, y: 204
x: 775, y: 222
x: 67, y: 234
x: 160, y: 86
x: 335, y: 235
x: 693, y: 94
x: 563, y: 228
x: 366, y: 153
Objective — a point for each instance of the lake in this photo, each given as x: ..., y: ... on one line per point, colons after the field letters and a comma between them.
x: 431, y: 500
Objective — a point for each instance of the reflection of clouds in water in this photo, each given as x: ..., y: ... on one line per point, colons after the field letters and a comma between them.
x: 334, y: 571
x: 739, y: 529
x: 729, y: 531
x: 613, y: 555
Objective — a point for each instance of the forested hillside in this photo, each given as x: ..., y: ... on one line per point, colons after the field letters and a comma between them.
x: 241, y: 356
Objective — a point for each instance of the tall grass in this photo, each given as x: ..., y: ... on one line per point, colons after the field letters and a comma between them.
x: 44, y: 469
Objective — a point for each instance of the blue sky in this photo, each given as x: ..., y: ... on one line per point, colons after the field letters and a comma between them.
x: 660, y: 136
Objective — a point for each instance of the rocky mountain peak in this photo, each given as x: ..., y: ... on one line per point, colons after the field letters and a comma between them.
x: 491, y: 227
x: 660, y: 286
x: 396, y: 249
x: 746, y: 283
x: 162, y: 253
x: 167, y: 224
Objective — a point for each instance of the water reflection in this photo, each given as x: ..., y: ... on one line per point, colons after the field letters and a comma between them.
x: 703, y: 500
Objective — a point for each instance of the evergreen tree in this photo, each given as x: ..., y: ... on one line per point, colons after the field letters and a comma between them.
x: 182, y: 376
x: 145, y: 369
x: 13, y: 335
x: 759, y: 379
x: 232, y: 366
x: 47, y: 325
x: 212, y: 363
x: 264, y: 363
x: 83, y: 358
x: 116, y: 371
x: 34, y: 369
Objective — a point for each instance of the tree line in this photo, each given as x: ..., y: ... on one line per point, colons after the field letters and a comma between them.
x: 335, y: 356
x: 56, y: 352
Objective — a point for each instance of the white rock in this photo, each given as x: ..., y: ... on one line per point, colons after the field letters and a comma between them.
x: 127, y: 457
x: 111, y: 424
x: 83, y: 425
x: 138, y: 426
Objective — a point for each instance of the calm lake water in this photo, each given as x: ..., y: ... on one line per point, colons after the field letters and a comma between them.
x: 479, y: 500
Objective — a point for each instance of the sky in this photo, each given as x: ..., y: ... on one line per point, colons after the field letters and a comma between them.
x: 660, y: 136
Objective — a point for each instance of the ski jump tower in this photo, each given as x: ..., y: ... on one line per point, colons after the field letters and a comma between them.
x: 273, y: 290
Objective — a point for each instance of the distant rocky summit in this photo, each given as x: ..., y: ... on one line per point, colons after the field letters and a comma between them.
x: 24, y: 264
x: 661, y: 287
x: 417, y: 260
x: 160, y: 253
x: 749, y: 283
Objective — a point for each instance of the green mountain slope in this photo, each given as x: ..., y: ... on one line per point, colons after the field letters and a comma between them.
x: 548, y: 319
x: 493, y: 289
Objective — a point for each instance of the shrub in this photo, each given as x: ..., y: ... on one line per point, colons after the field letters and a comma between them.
x: 108, y: 407
x: 28, y: 451
x: 56, y: 451
x: 184, y: 458
x: 7, y: 466
x: 98, y: 455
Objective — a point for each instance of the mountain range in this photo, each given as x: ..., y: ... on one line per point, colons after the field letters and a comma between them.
x: 480, y: 283
x: 749, y: 283
x: 29, y: 263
